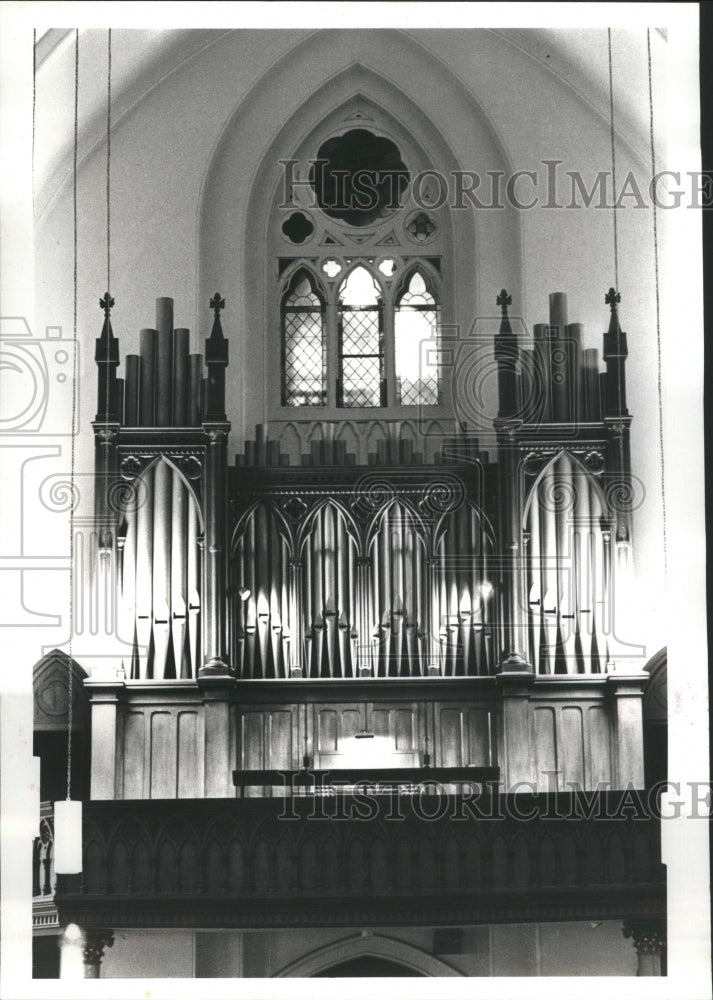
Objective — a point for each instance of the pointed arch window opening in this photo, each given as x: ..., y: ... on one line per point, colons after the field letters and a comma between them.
x: 417, y: 344
x: 361, y: 344
x: 361, y: 379
x: 304, y: 344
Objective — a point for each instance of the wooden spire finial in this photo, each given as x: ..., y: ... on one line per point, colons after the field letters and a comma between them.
x: 217, y: 303
x: 107, y: 304
x: 504, y: 300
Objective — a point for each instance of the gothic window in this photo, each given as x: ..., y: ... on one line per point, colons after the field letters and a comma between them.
x: 416, y: 341
x: 361, y: 342
x: 365, y: 274
x: 359, y: 178
x: 303, y: 343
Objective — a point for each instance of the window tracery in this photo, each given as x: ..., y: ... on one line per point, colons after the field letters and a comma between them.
x: 350, y: 225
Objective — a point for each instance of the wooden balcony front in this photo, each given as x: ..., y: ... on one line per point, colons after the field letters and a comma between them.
x: 356, y: 859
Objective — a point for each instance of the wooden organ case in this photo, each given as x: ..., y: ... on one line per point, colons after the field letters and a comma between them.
x: 399, y: 605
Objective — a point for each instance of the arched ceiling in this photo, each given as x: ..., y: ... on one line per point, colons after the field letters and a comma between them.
x: 144, y: 59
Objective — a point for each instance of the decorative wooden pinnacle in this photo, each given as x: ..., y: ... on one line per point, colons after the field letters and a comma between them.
x: 504, y: 300
x: 612, y: 299
x: 216, y: 346
x: 107, y: 304
x: 217, y: 303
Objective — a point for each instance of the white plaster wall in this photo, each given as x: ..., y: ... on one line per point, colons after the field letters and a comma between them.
x: 136, y: 954
x: 596, y: 948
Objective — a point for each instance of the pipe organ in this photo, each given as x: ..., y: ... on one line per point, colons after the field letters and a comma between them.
x: 156, y: 432
x: 387, y: 590
x: 428, y: 579
x: 567, y: 543
x: 160, y: 575
x: 400, y: 568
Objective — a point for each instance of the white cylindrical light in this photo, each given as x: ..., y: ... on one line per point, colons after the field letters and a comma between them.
x: 67, y: 837
x: 72, y: 953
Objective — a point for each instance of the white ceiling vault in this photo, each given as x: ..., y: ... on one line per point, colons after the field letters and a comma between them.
x: 143, y: 60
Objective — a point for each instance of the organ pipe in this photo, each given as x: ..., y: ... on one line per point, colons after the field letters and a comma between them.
x: 592, y: 410
x: 181, y: 377
x: 548, y: 563
x: 160, y: 592
x: 583, y: 600
x: 144, y: 574
x: 565, y: 565
x: 164, y: 361
x: 132, y: 383
x: 542, y: 372
x: 147, y: 391
x: 161, y: 566
x: 568, y: 570
x: 179, y: 603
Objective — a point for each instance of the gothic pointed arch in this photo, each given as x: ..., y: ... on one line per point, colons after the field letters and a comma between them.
x: 398, y: 603
x: 344, y: 89
x: 50, y: 685
x: 303, y: 354
x: 160, y: 569
x: 327, y: 587
x: 414, y: 961
x: 260, y: 622
x: 566, y: 536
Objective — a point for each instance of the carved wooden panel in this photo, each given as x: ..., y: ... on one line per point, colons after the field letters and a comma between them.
x: 465, y: 735
x: 160, y: 753
x: 243, y: 864
x: 572, y: 745
x: 268, y: 740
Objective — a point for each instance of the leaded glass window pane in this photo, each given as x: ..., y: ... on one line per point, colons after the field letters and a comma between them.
x: 303, y: 345
x: 416, y: 345
x: 361, y: 348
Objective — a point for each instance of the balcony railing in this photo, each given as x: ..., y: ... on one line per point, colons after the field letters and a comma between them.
x: 366, y: 858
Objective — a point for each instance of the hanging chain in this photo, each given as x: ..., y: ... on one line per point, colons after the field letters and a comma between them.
x: 105, y: 538
x: 70, y: 691
x: 34, y: 112
x: 613, y: 164
x: 659, y: 376
x: 108, y: 165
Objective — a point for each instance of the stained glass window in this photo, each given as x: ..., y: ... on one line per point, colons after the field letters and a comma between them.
x: 303, y: 344
x: 416, y: 345
x: 361, y: 348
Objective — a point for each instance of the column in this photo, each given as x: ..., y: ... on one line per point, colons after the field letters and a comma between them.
x: 514, y: 653
x: 104, y: 704
x: 364, y: 666
x: 218, y: 760
x: 214, y: 583
x: 517, y: 742
x: 628, y: 699
x: 94, y: 944
x: 649, y: 939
